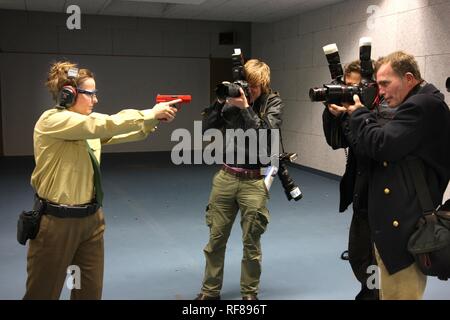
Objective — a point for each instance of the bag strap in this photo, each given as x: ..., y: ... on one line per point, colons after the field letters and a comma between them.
x: 416, y: 168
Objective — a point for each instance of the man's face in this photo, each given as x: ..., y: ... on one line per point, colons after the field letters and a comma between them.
x: 353, y: 78
x: 393, y: 87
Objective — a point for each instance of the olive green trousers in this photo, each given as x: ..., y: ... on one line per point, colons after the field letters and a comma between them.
x: 229, y: 195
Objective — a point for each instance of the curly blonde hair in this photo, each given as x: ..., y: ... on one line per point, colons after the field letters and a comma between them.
x: 58, y: 77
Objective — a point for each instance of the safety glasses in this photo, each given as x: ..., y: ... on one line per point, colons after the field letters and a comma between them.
x: 91, y: 93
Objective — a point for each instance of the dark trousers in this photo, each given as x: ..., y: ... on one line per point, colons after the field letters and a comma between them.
x: 360, y: 253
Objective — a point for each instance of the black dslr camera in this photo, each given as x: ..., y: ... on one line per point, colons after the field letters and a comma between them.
x: 225, y: 90
x: 337, y: 92
x: 291, y: 190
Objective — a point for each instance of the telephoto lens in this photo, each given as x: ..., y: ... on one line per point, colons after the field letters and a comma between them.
x: 291, y: 190
x: 225, y: 90
x: 318, y: 94
x: 334, y: 93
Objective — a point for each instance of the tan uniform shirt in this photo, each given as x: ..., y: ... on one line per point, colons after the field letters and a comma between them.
x: 63, y: 172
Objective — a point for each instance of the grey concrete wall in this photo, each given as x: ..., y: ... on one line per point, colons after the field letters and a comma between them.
x: 293, y: 49
x: 123, y: 83
x: 133, y: 59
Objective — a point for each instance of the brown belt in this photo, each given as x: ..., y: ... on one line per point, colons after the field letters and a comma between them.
x: 246, y: 173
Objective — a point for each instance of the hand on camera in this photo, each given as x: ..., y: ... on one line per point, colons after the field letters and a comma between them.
x: 336, y: 110
x: 240, y: 102
x: 355, y: 106
x: 164, y: 110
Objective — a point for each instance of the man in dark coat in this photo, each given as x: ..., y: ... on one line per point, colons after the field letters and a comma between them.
x: 353, y: 186
x: 420, y: 129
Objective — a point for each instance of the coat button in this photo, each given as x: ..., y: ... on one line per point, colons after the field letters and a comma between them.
x: 385, y: 164
x: 395, y: 223
x: 387, y: 191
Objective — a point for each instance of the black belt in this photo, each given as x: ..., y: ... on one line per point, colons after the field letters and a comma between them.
x: 65, y: 211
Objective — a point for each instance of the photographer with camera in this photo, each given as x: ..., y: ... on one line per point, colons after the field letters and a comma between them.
x: 353, y: 186
x: 418, y: 132
x: 67, y: 182
x: 239, y: 186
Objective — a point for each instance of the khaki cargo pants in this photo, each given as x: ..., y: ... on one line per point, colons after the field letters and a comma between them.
x: 228, y: 195
x: 64, y: 242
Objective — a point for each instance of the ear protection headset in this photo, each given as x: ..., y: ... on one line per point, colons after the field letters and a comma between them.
x: 68, y: 93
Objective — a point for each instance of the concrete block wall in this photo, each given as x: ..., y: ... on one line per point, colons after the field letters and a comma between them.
x: 45, y: 32
x: 133, y: 59
x: 293, y: 49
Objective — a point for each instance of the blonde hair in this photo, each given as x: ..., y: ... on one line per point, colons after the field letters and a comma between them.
x: 402, y: 63
x: 58, y: 77
x: 258, y: 73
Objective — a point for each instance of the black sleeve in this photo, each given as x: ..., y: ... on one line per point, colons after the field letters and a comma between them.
x: 270, y: 120
x: 395, y: 139
x: 212, y: 116
x: 333, y: 129
x: 446, y: 206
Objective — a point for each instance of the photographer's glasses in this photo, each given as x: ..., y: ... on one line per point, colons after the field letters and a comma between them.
x: 90, y: 93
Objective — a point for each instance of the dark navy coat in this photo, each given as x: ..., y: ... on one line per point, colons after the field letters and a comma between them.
x: 421, y: 129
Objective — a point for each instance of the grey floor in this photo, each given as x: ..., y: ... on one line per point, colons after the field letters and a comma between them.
x: 156, y: 232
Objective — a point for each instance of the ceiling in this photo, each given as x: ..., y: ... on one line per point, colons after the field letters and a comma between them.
x: 223, y: 10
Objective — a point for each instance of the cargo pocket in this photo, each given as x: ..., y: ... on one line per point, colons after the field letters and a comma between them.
x: 215, y: 218
x: 260, y: 222
x: 216, y: 238
x: 208, y: 216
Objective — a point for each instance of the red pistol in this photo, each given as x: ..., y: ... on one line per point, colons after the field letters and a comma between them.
x: 185, y: 98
